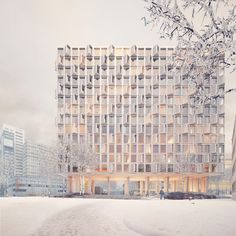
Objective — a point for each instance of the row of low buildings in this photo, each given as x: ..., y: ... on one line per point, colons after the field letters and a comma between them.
x: 26, y: 168
x: 140, y: 119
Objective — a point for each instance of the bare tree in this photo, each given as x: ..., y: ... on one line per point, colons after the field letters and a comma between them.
x: 205, y: 31
x: 77, y: 158
x: 84, y: 161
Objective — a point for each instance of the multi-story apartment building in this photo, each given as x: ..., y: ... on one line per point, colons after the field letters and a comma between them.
x: 234, y: 161
x: 40, y: 171
x: 12, y: 156
x: 26, y: 168
x: 140, y: 119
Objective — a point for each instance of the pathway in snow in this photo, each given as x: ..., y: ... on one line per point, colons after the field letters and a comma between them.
x: 90, y: 219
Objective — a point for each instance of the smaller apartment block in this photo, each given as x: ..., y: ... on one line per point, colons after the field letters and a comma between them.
x: 11, y: 158
x: 27, y: 168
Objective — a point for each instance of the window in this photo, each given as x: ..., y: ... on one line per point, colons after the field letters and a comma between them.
x: 163, y: 119
x: 155, y: 148
x: 111, y: 129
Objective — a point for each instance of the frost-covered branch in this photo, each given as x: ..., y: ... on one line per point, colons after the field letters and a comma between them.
x: 205, y: 31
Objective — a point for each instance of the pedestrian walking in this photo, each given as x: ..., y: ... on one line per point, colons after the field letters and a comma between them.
x: 162, y: 194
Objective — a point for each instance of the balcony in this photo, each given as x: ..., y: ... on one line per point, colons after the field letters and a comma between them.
x: 170, y: 119
x: 60, y: 73
x: 169, y: 148
x: 133, y: 81
x: 185, y: 129
x: 221, y: 110
x: 74, y: 128
x: 67, y: 110
x: 97, y: 72
x: 177, y: 80
x: 191, y: 91
x: 126, y: 62
x: 67, y: 80
x: 177, y: 109
x: 119, y: 71
x: 169, y: 90
x: 155, y: 51
x: 82, y: 90
x: 220, y: 79
x: 213, y: 148
x: 162, y: 99
x: 89, y: 52
x: 111, y: 80
x: 75, y: 99
x: 111, y: 52
x: 59, y: 119
x: 162, y: 128
x: 118, y: 100
x: 213, y: 90
x: 207, y: 129
x: 155, y: 81
x: 74, y: 52
x: 60, y: 130
x: 214, y: 119
x: 141, y: 100
x: 148, y: 91
x: 133, y: 109
x: 198, y: 138
x: 148, y: 62
x: 60, y: 61
x: 155, y: 109
x: 199, y: 110
x: 104, y: 90
x: 82, y: 62
x: 134, y: 52
x: 88, y: 110
x: 60, y: 91
x: 111, y: 109
x: 141, y: 74
x: 221, y: 139
x: 74, y: 70
x: 67, y: 50
x: 104, y: 62
x: 191, y: 119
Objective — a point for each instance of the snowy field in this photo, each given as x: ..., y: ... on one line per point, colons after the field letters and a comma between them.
x: 35, y: 216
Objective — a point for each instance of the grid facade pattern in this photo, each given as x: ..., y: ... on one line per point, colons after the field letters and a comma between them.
x: 137, y: 114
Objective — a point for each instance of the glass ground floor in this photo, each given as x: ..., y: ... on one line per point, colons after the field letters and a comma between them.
x: 136, y: 185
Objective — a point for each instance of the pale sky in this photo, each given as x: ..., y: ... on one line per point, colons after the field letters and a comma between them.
x: 31, y: 31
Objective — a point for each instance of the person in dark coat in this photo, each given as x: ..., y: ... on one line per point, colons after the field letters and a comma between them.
x: 162, y: 194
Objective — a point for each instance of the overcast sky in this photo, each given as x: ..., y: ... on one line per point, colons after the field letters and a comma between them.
x: 31, y: 31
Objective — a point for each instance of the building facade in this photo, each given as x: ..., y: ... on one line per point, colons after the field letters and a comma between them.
x: 27, y: 168
x: 12, y: 157
x: 40, y: 172
x: 234, y: 161
x: 40, y: 176
x: 140, y: 119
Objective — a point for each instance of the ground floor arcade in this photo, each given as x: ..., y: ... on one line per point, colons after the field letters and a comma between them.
x: 136, y: 185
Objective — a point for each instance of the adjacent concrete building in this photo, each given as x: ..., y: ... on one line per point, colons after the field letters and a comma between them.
x: 40, y: 172
x: 27, y: 168
x: 12, y: 157
x: 140, y: 119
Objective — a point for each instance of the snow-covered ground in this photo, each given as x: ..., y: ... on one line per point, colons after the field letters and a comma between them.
x: 35, y: 216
